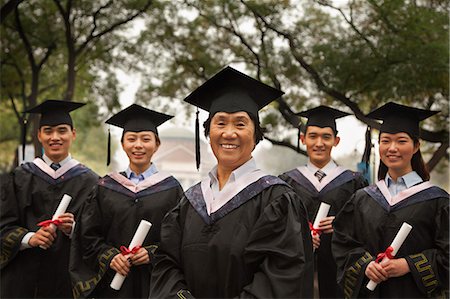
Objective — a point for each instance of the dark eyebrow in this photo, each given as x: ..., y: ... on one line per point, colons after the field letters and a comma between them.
x: 240, y: 118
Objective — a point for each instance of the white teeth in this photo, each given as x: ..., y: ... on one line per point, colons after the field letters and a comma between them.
x: 229, y: 145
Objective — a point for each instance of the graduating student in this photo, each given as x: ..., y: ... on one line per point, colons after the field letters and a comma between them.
x: 368, y: 223
x: 322, y: 180
x: 35, y: 257
x: 237, y: 233
x: 112, y: 214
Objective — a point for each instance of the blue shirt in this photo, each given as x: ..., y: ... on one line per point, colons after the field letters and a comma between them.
x: 402, y: 183
x: 138, y: 178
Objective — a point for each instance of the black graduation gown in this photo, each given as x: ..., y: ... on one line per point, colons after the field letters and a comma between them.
x: 367, y: 225
x: 32, y: 195
x: 251, y: 247
x: 109, y: 220
x: 335, y: 193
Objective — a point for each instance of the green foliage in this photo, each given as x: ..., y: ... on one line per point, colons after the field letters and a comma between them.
x: 35, y: 38
x: 363, y: 53
x: 380, y: 51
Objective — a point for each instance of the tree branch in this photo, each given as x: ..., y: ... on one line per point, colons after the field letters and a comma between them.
x: 8, y: 8
x: 438, y: 155
x: 24, y: 39
x: 353, y: 26
x: 286, y: 144
x: 93, y: 36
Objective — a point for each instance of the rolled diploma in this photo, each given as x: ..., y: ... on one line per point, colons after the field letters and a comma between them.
x: 138, y: 239
x: 396, y: 244
x: 322, y: 213
x: 61, y: 209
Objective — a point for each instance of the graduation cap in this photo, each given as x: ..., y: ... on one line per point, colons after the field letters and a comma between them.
x: 322, y: 117
x: 230, y: 91
x: 53, y: 113
x: 399, y: 118
x: 136, y: 118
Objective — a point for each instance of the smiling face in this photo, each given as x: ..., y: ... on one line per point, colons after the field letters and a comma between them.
x: 396, y: 151
x: 232, y: 138
x: 56, y: 141
x: 319, y: 143
x: 140, y: 147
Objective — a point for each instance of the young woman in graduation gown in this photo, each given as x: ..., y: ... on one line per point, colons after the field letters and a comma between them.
x: 368, y: 223
x: 239, y: 232
x: 34, y: 256
x: 113, y: 212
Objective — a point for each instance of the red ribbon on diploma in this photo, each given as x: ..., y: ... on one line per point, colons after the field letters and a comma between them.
x: 48, y: 222
x: 314, y: 230
x: 387, y: 253
x: 124, y: 250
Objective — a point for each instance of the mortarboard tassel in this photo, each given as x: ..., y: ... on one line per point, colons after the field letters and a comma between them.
x: 24, y: 137
x: 197, y: 141
x: 298, y: 138
x: 368, y: 147
x: 108, y: 157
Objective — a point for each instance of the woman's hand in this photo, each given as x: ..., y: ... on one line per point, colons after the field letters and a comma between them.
x: 396, y: 267
x: 141, y: 257
x: 121, y: 264
x: 390, y: 268
x: 44, y: 237
x: 376, y: 273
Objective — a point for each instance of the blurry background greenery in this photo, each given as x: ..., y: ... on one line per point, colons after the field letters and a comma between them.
x: 352, y: 55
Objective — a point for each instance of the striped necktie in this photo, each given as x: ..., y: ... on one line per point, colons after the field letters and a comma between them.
x: 55, y: 166
x: 319, y: 175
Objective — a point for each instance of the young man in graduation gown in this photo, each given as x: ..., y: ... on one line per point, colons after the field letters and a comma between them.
x: 112, y: 214
x: 370, y: 220
x: 322, y: 180
x: 237, y: 233
x: 35, y: 256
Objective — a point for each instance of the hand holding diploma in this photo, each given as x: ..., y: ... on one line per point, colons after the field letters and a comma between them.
x: 121, y: 262
x: 45, y: 236
x: 387, y: 268
x: 315, y: 228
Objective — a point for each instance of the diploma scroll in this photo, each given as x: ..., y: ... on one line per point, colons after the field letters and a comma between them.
x: 61, y: 209
x: 396, y: 244
x: 138, y: 239
x: 322, y: 213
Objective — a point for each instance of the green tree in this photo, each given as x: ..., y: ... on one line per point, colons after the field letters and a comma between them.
x: 64, y: 49
x: 355, y: 57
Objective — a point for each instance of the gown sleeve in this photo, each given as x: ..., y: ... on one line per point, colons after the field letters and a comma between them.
x: 167, y: 280
x: 348, y: 251
x: 430, y: 268
x: 277, y: 250
x: 90, y: 255
x: 174, y: 200
x: 11, y: 230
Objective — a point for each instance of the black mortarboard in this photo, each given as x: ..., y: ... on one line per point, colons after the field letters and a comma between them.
x: 321, y: 116
x: 55, y: 112
x: 136, y: 118
x: 231, y: 91
x: 399, y: 118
